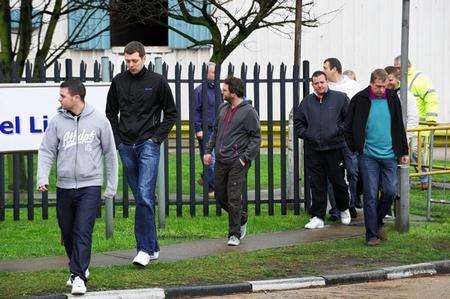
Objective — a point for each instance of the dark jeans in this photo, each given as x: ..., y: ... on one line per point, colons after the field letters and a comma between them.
x: 141, y: 167
x: 323, y: 164
x: 209, y: 170
x: 376, y: 173
x: 76, y: 210
x: 229, y: 179
x: 351, y: 168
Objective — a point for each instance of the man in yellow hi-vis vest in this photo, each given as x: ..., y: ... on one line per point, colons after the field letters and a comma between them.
x: 427, y: 105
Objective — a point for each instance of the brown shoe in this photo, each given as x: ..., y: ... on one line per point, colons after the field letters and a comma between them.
x: 373, y: 242
x: 424, y: 186
x: 382, y: 235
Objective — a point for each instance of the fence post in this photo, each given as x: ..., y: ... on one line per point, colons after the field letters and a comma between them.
x: 306, y: 190
x: 161, y: 169
x: 402, y: 207
x: 109, y: 202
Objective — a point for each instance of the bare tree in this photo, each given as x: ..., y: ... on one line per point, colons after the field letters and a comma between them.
x: 37, y: 25
x: 229, y: 22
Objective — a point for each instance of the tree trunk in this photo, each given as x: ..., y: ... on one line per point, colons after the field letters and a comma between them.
x: 42, y: 53
x: 5, y: 38
x: 25, y: 31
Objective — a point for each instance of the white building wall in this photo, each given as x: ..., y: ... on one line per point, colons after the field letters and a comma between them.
x: 364, y: 35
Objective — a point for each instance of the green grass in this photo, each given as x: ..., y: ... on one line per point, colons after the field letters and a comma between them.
x: 424, y: 242
x: 20, y: 239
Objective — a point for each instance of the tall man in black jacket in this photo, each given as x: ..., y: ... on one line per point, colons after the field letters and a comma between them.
x: 138, y: 96
x: 374, y: 130
x: 236, y: 139
x: 319, y: 121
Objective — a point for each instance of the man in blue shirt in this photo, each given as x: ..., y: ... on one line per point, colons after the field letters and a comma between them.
x: 374, y: 130
x: 204, y: 118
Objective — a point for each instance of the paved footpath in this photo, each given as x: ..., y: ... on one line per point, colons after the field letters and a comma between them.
x: 200, y: 248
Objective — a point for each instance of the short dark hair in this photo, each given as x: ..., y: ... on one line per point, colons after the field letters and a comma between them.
x: 378, y: 74
x: 392, y: 70
x: 133, y: 47
x: 75, y: 87
x: 318, y: 74
x: 235, y: 85
x: 334, y: 63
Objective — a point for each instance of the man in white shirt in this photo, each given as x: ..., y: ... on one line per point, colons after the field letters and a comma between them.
x: 339, y: 82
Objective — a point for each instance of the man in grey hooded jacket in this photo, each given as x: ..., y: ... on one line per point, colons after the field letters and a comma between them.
x: 78, y: 138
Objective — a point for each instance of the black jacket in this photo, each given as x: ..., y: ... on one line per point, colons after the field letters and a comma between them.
x: 140, y: 99
x: 239, y: 137
x: 321, y: 122
x: 356, y: 122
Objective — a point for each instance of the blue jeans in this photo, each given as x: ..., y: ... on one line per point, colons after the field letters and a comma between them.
x: 351, y: 168
x: 141, y: 168
x: 376, y: 173
x: 209, y: 170
x: 76, y: 210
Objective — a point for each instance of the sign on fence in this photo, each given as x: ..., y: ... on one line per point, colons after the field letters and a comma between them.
x: 26, y: 109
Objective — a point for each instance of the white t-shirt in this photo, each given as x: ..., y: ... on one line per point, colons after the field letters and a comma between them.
x: 346, y: 85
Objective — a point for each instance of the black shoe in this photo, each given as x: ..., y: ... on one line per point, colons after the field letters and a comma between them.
x: 353, y: 212
x: 333, y: 218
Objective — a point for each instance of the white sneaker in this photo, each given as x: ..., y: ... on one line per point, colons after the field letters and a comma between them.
x: 315, y: 222
x: 233, y: 241
x: 141, y: 259
x: 78, y: 286
x: 154, y: 256
x: 243, y: 230
x: 345, y: 217
x: 70, y: 280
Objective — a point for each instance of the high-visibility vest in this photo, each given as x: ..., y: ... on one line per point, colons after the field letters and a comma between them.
x: 426, y: 96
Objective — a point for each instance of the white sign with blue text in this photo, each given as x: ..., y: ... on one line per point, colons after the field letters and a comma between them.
x: 26, y: 110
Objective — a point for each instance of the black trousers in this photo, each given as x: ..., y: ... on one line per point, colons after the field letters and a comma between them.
x: 323, y: 164
x: 228, y: 180
x: 76, y: 210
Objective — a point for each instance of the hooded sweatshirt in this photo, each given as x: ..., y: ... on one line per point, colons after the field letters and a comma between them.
x: 78, y: 144
x: 236, y: 133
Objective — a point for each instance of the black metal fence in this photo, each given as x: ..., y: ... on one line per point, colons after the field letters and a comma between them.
x: 15, y: 197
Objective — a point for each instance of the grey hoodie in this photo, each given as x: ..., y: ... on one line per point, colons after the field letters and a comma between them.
x: 78, y: 144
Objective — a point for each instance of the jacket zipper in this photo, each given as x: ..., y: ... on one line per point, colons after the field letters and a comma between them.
x: 76, y: 154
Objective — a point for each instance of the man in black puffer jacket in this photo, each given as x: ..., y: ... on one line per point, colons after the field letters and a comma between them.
x: 319, y: 121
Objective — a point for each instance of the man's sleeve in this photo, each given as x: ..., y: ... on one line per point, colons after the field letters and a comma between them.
x: 348, y: 125
x: 300, y: 122
x: 198, y: 109
x: 423, y: 87
x: 47, y: 154
x: 110, y: 154
x: 112, y: 111
x: 169, y: 112
x: 254, y: 134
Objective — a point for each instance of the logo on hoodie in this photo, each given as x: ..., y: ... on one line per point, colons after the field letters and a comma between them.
x: 70, y: 138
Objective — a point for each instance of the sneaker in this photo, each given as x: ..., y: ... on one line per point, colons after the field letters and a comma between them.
x: 211, y: 194
x: 142, y: 258
x: 233, y: 241
x: 353, y: 212
x: 345, y: 217
x: 243, y: 230
x: 315, y: 222
x: 373, y: 242
x: 71, y: 277
x: 154, y: 256
x: 78, y: 286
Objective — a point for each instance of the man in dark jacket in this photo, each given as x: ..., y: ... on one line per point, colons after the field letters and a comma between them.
x: 319, y: 121
x: 139, y: 96
x: 236, y: 140
x: 204, y: 118
x: 374, y: 130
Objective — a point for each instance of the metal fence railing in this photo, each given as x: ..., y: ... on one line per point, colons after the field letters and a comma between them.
x: 17, y: 170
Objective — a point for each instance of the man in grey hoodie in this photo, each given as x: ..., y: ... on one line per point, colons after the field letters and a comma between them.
x: 236, y: 139
x: 78, y: 138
